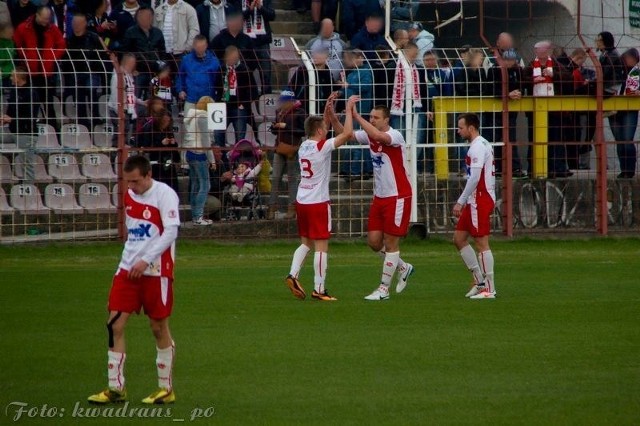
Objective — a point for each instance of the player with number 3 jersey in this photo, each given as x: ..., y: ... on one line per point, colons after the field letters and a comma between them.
x: 313, y: 208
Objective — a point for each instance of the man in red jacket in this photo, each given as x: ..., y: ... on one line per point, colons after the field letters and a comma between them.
x: 41, y: 45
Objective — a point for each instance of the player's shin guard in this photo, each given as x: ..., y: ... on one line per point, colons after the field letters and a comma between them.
x: 164, y: 364
x: 389, y: 268
x: 320, y: 270
x: 486, y: 264
x: 401, y: 263
x: 298, y: 259
x: 471, y: 261
x: 115, y: 370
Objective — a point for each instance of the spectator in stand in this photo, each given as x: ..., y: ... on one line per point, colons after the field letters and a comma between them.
x: 403, y: 12
x: 83, y: 70
x: 625, y: 123
x: 7, y: 54
x: 613, y: 70
x: 178, y: 22
x: 398, y: 96
x: 58, y: 13
x: 504, y: 42
x: 238, y: 91
x: 199, y: 156
x: 199, y: 74
x: 212, y: 17
x: 436, y: 82
x: 116, y: 4
x: 401, y: 38
x: 5, y: 15
x: 20, y: 11
x: 161, y: 85
x: 578, y: 156
x: 299, y: 83
x: 233, y: 36
x: 123, y: 16
x: 384, y: 71
x: 549, y: 78
x: 158, y: 133
x: 370, y: 36
x: 147, y: 43
x: 289, y: 130
x: 98, y: 22
x: 257, y: 17
x: 22, y: 105
x: 422, y: 38
x: 330, y: 40
x: 354, y: 13
x: 41, y: 46
x: 515, y: 91
x: 127, y: 96
x: 300, y: 6
x: 358, y: 80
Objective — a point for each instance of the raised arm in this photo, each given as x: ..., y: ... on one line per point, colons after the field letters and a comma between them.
x: 330, y: 115
x: 347, y: 132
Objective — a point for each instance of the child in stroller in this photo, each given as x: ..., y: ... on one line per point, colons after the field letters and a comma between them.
x: 242, y: 180
x: 246, y: 160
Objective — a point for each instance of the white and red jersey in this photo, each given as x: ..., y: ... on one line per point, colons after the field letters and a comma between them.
x: 480, y: 155
x: 390, y: 171
x: 146, y: 217
x: 314, y: 158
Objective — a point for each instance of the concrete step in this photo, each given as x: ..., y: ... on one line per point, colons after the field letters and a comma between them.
x: 292, y: 27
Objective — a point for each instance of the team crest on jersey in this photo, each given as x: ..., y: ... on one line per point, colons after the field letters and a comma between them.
x: 146, y: 214
x: 172, y: 214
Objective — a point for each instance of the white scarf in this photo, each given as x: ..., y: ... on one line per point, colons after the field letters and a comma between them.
x: 254, y: 26
x: 398, y: 97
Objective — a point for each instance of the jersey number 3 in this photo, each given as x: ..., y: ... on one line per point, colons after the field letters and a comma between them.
x: 305, y: 165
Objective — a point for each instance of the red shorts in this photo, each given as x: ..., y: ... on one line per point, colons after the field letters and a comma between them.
x: 390, y: 215
x: 154, y: 294
x: 476, y: 218
x: 314, y: 220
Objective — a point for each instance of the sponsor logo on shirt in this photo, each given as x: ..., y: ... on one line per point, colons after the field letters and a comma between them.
x: 140, y: 233
x: 377, y: 161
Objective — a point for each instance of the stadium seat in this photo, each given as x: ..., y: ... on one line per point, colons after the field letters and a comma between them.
x: 27, y: 200
x: 64, y: 168
x: 266, y: 108
x: 95, y: 198
x: 60, y: 198
x: 102, y: 135
x: 40, y: 174
x: 291, y: 73
x: 102, y: 106
x: 57, y: 108
x: 75, y: 136
x: 6, y: 174
x: 5, y: 208
x: 282, y: 50
x: 265, y: 136
x: 70, y: 109
x: 97, y: 167
x: 115, y: 194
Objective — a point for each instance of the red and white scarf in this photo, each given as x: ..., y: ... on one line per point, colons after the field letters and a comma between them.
x: 255, y: 25
x: 130, y: 95
x: 543, y: 88
x: 398, y: 97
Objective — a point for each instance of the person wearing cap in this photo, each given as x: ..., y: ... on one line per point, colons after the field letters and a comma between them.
x: 289, y: 130
x: 422, y: 38
x: 370, y: 36
x: 493, y: 121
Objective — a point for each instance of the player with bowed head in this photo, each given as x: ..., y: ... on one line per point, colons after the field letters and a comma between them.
x: 391, y: 207
x: 313, y: 207
x: 144, y: 279
x: 474, y: 208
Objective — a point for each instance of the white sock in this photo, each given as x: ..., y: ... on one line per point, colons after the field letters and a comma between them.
x: 164, y: 364
x: 389, y: 268
x: 115, y: 370
x: 298, y: 259
x: 320, y: 270
x: 486, y: 264
x: 470, y: 259
x: 402, y: 265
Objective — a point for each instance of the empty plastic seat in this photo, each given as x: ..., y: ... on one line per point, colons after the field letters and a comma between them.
x: 36, y: 163
x: 5, y: 208
x: 265, y: 136
x: 70, y: 109
x: 60, y: 198
x: 102, y: 106
x: 95, y: 198
x: 47, y: 137
x: 6, y: 174
x: 267, y: 105
x: 115, y: 194
x: 75, y: 136
x: 97, y: 167
x: 27, y: 200
x: 103, y: 135
x: 64, y: 168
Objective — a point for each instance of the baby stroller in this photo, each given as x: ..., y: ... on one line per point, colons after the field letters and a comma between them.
x: 242, y: 195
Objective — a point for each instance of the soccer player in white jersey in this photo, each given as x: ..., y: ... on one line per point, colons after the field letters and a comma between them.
x: 313, y: 207
x: 143, y: 279
x: 391, y: 207
x: 474, y: 208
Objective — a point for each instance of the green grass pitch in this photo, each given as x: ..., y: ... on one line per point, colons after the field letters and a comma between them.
x: 560, y: 345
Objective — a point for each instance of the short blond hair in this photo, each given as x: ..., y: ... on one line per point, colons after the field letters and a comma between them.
x: 203, y: 102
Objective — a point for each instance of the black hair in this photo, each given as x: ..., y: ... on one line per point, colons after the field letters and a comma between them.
x: 607, y: 39
x: 139, y: 162
x: 470, y: 120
